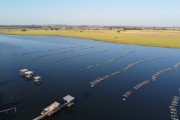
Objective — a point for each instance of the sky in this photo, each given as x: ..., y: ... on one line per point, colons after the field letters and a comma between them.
x: 91, y: 12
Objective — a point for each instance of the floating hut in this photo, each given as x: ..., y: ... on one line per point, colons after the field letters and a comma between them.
x: 22, y: 72
x: 28, y: 74
x: 37, y: 79
x: 48, y: 111
x: 55, y: 107
x: 69, y: 100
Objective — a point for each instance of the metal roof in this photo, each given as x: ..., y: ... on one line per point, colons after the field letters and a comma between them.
x: 23, y: 70
x: 68, y: 98
x: 52, y: 106
x: 29, y: 72
x: 37, y: 77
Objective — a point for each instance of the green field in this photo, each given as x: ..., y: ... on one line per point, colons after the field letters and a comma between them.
x: 159, y: 38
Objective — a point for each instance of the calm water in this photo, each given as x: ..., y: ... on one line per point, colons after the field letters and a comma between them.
x: 102, y: 102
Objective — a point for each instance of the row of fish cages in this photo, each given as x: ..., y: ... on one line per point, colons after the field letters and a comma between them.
x: 122, y: 56
x: 80, y: 55
x: 62, y: 52
x: 174, y: 108
x: 154, y: 77
x: 141, y: 84
x: 139, y: 62
x: 109, y: 61
x: 136, y: 87
x: 90, y: 67
x: 49, y: 50
x: 25, y: 73
x: 98, y: 80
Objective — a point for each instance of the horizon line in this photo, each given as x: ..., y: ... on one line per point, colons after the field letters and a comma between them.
x: 88, y: 25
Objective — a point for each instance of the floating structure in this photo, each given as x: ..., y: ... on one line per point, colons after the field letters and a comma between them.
x: 69, y: 100
x: 26, y: 53
x: 127, y: 94
x: 23, y: 71
x: 116, y: 58
x: 173, y: 108
x: 177, y: 65
x: 28, y: 74
x: 154, y: 77
x: 141, y: 84
x: 37, y: 79
x: 61, y: 52
x: 59, y: 60
x: 139, y: 62
x: 116, y: 73
x: 98, y: 80
x: 9, y: 109
x: 55, y: 107
x: 89, y: 67
x: 64, y: 48
x: 133, y: 64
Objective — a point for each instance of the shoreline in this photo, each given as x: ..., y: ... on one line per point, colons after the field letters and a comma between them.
x: 142, y: 38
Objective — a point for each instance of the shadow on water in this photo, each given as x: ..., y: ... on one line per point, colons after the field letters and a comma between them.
x: 4, y: 83
x: 86, y: 95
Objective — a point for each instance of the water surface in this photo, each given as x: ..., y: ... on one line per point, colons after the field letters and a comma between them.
x: 102, y: 102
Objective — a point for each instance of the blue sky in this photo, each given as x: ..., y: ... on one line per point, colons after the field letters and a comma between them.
x: 91, y: 12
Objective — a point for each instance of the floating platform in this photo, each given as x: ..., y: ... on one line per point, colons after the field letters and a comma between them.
x: 37, y: 79
x: 22, y: 72
x: 29, y: 74
x: 55, y: 107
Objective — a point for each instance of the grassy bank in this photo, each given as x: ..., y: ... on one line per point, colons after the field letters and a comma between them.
x: 159, y: 38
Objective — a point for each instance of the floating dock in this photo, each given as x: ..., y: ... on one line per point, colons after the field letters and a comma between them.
x: 26, y: 73
x: 55, y: 107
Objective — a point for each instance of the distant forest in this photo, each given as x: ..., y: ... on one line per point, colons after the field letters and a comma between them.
x: 84, y: 27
